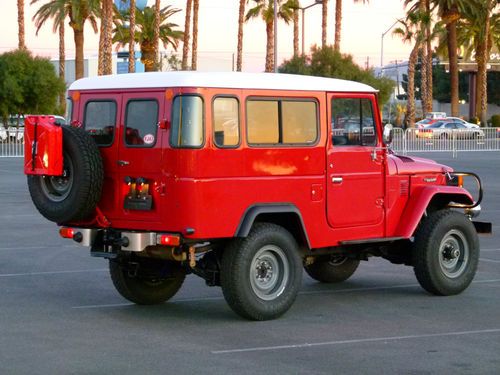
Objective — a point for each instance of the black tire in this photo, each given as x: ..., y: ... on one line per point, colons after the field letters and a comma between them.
x: 445, y: 252
x: 332, y: 270
x: 146, y: 282
x: 261, y: 274
x: 73, y: 196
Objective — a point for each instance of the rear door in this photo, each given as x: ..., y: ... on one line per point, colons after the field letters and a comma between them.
x: 355, y: 165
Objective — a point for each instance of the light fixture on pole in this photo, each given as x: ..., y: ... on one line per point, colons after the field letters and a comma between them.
x: 382, y: 43
x: 303, y: 9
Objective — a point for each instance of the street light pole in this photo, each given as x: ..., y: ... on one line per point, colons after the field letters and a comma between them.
x: 382, y: 43
x: 317, y: 2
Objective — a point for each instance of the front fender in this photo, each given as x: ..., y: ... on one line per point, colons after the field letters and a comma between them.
x: 420, y: 200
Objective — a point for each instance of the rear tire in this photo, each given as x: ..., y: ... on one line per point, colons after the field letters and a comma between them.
x: 333, y: 270
x: 74, y: 195
x: 152, y: 283
x: 261, y: 274
x: 445, y: 252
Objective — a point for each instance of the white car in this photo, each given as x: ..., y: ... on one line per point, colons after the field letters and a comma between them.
x: 457, y: 120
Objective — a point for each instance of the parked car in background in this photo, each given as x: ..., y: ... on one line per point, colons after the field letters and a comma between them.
x: 3, y: 134
x: 457, y: 120
x: 449, y: 129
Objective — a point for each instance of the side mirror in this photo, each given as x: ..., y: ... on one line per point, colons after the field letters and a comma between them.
x: 387, y: 135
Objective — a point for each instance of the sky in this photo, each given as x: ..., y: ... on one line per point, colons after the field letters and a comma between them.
x: 363, y: 25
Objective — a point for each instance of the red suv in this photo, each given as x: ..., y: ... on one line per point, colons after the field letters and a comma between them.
x: 245, y: 180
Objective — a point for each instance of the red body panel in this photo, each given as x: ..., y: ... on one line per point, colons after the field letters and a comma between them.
x: 43, y: 151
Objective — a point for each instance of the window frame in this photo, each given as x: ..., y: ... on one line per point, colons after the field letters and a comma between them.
x: 279, y: 100
x: 202, y: 145
x: 124, y: 139
x: 114, y: 122
x: 222, y: 96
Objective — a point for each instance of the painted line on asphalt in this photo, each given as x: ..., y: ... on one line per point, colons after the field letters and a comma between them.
x: 489, y: 250
x: 39, y: 247
x: 202, y: 299
x: 50, y: 272
x: 489, y: 260
x: 355, y: 341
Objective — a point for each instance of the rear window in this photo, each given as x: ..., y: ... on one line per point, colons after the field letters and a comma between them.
x: 187, y: 122
x: 141, y: 123
x: 99, y: 121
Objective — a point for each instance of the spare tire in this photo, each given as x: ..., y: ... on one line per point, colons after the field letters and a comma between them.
x: 74, y: 195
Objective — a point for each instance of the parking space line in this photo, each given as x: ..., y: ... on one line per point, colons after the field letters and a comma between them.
x: 355, y: 341
x: 311, y: 292
x: 488, y: 250
x: 489, y: 260
x: 50, y: 272
x: 39, y: 247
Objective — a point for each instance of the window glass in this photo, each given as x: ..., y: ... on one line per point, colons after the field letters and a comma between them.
x: 100, y: 118
x: 69, y: 110
x: 299, y: 122
x: 187, y: 122
x: 262, y: 122
x: 226, y: 122
x: 141, y: 123
x: 353, y: 122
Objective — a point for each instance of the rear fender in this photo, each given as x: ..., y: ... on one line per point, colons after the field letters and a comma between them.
x: 420, y: 201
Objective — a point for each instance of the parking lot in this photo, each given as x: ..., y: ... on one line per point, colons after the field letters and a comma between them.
x: 60, y: 314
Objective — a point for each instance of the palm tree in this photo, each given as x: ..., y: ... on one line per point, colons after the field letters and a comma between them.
x: 20, y: 23
x: 78, y: 11
x: 241, y: 18
x: 324, y: 23
x: 156, y: 35
x: 144, y: 33
x: 265, y: 10
x: 194, y: 49
x: 187, y: 28
x: 295, y: 32
x: 409, y: 32
x: 338, y: 22
x: 62, y: 64
x: 105, y: 63
x: 450, y: 12
x: 131, y: 40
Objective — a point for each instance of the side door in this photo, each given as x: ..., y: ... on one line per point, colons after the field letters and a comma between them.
x: 139, y: 158
x: 355, y: 166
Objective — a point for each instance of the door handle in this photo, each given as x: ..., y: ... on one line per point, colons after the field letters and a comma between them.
x: 122, y: 163
x: 337, y: 180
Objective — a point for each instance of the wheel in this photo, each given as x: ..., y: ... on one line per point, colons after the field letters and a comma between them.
x: 74, y: 195
x: 445, y: 252
x: 333, y: 270
x: 261, y: 274
x: 146, y: 282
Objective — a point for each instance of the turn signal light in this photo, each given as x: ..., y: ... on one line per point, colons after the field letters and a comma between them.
x: 169, y: 239
x: 67, y: 232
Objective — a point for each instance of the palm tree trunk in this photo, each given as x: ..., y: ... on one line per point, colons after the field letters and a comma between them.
x: 108, y: 35
x: 241, y: 18
x: 148, y: 56
x: 324, y: 23
x: 79, y: 39
x: 410, y: 105
x: 20, y: 24
x: 100, y: 53
x: 194, y: 49
x: 187, y: 27
x: 338, y: 24
x: 156, y: 36
x: 62, y: 64
x: 451, y: 15
x: 131, y: 43
x: 295, y: 32
x: 481, y: 82
x: 423, y: 64
x: 270, y: 47
x: 428, y: 61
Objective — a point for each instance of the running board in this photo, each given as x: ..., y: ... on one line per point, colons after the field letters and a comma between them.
x: 372, y: 240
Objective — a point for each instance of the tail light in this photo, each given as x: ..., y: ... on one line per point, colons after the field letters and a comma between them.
x: 66, y: 232
x: 168, y: 239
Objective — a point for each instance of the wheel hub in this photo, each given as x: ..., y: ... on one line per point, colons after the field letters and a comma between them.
x: 269, y: 273
x: 453, y: 254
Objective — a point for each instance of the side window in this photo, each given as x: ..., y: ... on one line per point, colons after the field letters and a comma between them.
x: 187, y: 122
x: 353, y: 122
x: 141, y: 123
x: 226, y: 122
x: 99, y: 121
x: 282, y: 121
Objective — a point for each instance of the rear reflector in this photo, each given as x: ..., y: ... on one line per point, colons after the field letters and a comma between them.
x: 169, y: 239
x: 67, y: 232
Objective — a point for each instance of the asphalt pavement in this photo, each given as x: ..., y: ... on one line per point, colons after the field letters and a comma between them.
x: 60, y: 314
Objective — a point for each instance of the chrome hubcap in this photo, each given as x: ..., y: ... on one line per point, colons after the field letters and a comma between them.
x: 269, y: 272
x: 453, y: 254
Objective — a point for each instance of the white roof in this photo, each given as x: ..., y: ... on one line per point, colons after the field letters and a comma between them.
x: 234, y: 80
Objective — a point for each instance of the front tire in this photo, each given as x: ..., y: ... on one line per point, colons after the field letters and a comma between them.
x: 261, y: 274
x: 445, y: 252
x: 146, y: 282
x: 332, y: 270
